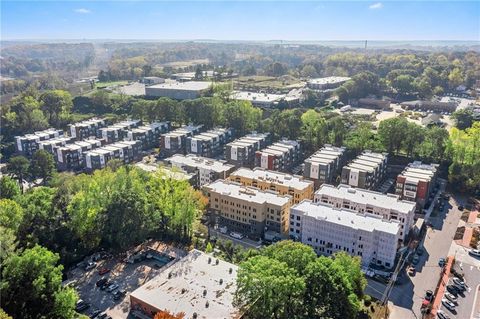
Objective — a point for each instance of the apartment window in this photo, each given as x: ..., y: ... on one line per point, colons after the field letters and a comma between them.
x: 298, y: 217
x: 298, y: 224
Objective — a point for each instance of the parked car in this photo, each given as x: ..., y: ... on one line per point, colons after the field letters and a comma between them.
x: 103, y: 271
x: 101, y: 282
x: 94, y: 313
x: 236, y: 235
x: 458, y: 282
x: 420, y: 251
x: 81, y: 305
x: 475, y: 252
x: 415, y: 259
x: 411, y: 271
x: 448, y: 304
x: 429, y: 295
x: 442, y: 315
x: 112, y: 287
x: 102, y: 316
x: 441, y: 262
x: 223, y: 229
x: 452, y: 289
x: 118, y: 294
x: 105, y: 285
x: 451, y: 297
x: 460, y: 207
x: 90, y: 265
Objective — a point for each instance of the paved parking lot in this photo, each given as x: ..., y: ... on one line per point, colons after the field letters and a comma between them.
x: 127, y: 276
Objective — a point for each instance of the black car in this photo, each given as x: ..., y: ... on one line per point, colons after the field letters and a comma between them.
x: 81, y: 305
x: 460, y: 207
x: 452, y: 289
x: 118, y: 294
x: 94, y: 313
x: 105, y: 285
x: 101, y: 282
x: 102, y: 316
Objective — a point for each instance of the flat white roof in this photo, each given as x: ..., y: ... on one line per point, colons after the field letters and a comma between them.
x: 200, y: 162
x: 186, y: 86
x: 346, y: 217
x: 329, y: 80
x: 249, y: 194
x: 189, y: 278
x: 367, y: 161
x: 367, y: 197
x: 257, y: 97
x: 273, y: 177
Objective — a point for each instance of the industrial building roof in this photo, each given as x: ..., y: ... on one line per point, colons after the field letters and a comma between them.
x: 189, y: 283
x: 185, y: 86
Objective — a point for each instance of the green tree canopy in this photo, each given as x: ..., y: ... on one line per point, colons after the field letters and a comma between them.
x: 32, y: 286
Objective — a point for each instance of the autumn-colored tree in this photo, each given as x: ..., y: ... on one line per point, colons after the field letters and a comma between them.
x: 165, y: 314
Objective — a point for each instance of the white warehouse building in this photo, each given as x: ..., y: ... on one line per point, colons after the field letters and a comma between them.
x: 328, y: 230
x: 387, y: 206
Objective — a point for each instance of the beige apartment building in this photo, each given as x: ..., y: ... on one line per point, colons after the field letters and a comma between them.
x: 284, y: 184
x: 248, y: 210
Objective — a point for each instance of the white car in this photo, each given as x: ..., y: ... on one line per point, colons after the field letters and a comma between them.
x: 459, y: 282
x: 236, y: 235
x: 451, y: 297
x: 223, y: 229
x: 475, y: 252
x: 112, y: 287
x: 448, y: 304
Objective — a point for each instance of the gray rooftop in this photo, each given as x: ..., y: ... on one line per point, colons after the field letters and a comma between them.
x: 183, y: 291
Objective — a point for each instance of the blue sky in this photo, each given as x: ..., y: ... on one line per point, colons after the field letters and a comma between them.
x: 245, y: 20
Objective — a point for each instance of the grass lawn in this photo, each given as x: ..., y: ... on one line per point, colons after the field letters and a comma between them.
x: 101, y: 85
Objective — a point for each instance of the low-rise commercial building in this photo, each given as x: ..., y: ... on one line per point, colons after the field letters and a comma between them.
x: 174, y: 142
x: 148, y: 134
x: 125, y: 151
x: 248, y: 210
x: 151, y: 80
x: 258, y: 99
x: 284, y: 184
x: 51, y: 144
x: 417, y: 183
x: 328, y: 230
x: 366, y: 171
x: 197, y: 285
x: 327, y: 83
x: 72, y: 156
x: 178, y: 90
x: 86, y: 129
x: 118, y: 131
x: 208, y: 170
x: 324, y: 165
x: 28, y: 144
x: 241, y: 152
x: 280, y: 156
x: 210, y: 143
x: 379, y: 104
x: 387, y: 206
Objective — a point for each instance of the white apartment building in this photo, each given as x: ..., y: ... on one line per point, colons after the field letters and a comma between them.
x: 387, y: 206
x: 207, y: 169
x: 328, y: 230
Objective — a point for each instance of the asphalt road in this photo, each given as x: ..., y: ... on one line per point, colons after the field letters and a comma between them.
x: 406, y: 298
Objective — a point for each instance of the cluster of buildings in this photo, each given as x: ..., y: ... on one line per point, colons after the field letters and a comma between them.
x: 281, y: 156
x: 90, y: 144
x: 350, y: 217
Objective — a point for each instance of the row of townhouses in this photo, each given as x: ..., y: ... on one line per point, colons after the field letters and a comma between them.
x: 241, y: 152
x: 281, y: 156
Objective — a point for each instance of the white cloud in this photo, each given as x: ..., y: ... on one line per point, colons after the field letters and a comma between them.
x: 375, y: 6
x: 82, y: 11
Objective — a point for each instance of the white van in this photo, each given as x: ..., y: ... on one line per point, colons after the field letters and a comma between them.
x: 236, y: 235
